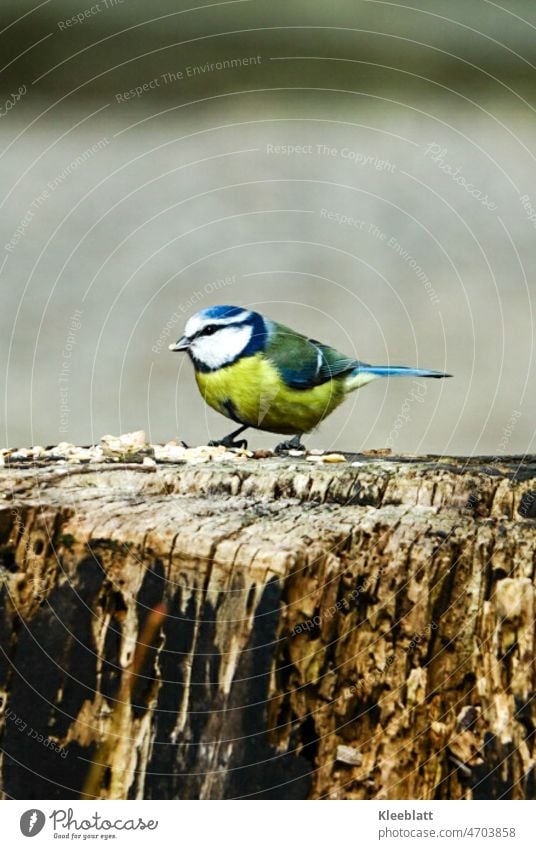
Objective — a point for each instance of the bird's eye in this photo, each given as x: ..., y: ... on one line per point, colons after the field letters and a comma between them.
x: 210, y: 329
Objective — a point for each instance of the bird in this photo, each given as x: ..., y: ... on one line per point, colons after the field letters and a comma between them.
x: 264, y: 375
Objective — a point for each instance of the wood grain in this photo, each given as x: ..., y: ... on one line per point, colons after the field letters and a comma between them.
x: 228, y: 629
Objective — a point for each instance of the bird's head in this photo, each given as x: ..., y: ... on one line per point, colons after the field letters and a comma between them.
x: 218, y: 336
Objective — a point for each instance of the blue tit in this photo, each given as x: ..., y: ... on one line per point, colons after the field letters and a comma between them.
x: 264, y: 375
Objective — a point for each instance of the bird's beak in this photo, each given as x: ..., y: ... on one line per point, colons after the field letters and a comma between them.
x: 182, y: 345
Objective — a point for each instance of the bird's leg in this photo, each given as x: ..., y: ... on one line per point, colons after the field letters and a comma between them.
x: 294, y: 444
x: 229, y: 440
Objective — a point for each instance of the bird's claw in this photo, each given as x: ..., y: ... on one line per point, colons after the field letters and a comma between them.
x: 228, y: 443
x: 294, y: 444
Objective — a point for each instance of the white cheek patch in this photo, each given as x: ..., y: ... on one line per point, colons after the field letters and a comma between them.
x: 222, y: 347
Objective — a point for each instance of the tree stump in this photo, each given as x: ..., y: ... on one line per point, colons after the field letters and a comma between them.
x: 269, y: 628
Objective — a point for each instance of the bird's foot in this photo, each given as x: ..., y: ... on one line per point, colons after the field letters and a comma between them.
x: 294, y: 444
x: 228, y: 442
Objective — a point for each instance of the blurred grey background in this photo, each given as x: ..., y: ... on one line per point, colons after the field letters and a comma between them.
x: 363, y: 171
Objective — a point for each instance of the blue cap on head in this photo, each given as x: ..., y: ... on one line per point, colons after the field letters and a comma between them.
x: 222, y: 311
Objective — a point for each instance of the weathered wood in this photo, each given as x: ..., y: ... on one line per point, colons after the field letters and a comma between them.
x: 269, y: 628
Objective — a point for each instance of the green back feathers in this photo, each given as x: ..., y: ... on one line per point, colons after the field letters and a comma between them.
x: 302, y: 362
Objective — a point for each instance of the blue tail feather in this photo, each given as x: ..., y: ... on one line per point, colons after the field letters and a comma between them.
x: 364, y: 373
x: 398, y: 371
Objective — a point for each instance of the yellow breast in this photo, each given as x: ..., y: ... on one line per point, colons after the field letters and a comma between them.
x: 251, y: 392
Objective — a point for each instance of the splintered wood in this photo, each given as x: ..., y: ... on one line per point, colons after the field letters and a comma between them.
x: 268, y: 628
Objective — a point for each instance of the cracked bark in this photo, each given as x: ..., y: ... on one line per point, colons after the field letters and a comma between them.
x: 269, y: 629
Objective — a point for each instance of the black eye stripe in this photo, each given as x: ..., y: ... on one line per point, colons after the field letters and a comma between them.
x: 210, y: 329
x: 206, y: 331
